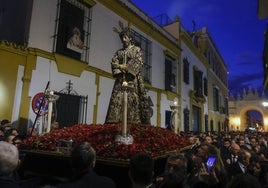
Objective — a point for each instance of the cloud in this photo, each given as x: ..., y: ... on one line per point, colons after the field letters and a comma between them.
x: 244, y: 81
x: 245, y: 62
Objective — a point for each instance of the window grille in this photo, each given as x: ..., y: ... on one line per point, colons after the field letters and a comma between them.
x: 73, y: 17
x: 145, y: 46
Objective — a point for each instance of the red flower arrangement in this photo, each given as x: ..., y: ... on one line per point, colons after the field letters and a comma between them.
x: 154, y: 140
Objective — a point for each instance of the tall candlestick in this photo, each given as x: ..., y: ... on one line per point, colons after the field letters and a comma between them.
x: 50, y: 104
x: 175, y: 107
x: 124, y: 127
x: 176, y: 121
x: 51, y: 99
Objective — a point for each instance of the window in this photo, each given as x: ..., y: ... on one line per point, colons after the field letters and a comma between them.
x: 72, y: 36
x: 198, y: 87
x: 145, y: 46
x: 170, y: 75
x: 226, y: 106
x: 196, y: 118
x: 186, y: 119
x: 205, y: 86
x: 15, y: 18
x: 211, y: 125
x: 206, y: 122
x: 186, y: 71
x: 216, y: 99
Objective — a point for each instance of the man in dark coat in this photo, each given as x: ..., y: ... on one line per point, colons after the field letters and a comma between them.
x: 240, y: 167
x: 83, y: 159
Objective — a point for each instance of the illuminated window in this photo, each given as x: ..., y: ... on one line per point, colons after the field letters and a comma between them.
x: 72, y: 35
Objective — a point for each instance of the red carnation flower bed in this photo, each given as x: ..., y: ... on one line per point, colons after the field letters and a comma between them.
x: 154, y: 140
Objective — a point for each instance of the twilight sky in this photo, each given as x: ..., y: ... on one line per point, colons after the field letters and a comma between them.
x: 235, y: 28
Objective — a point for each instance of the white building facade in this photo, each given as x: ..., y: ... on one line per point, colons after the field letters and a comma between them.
x: 42, y: 58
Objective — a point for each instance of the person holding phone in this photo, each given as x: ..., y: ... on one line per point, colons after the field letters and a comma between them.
x: 210, y: 162
x: 211, y: 168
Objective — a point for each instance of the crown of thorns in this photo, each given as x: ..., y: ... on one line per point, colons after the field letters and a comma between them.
x: 123, y: 30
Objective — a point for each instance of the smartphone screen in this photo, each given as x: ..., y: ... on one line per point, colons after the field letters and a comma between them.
x: 210, y: 162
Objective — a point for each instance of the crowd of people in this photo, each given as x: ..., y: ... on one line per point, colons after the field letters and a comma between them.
x: 241, y: 159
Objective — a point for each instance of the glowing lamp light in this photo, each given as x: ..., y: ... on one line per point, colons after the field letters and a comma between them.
x: 237, y: 121
x: 265, y: 104
x: 265, y: 121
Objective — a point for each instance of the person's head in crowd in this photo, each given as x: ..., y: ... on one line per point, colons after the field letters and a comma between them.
x: 262, y: 140
x: 202, y: 151
x: 226, y: 143
x: 214, y: 151
x: 254, y: 167
x: 83, y: 157
x: 5, y: 125
x: 208, y: 139
x: 244, y: 157
x: 194, y: 164
x: 9, y: 158
x: 253, y: 141
x: 17, y: 140
x: 12, y: 131
x: 141, y: 170
x: 176, y: 173
x: 245, y: 181
x: 234, y: 148
x: 4, y: 122
x: 2, y: 134
x: 194, y: 140
x: 9, y: 138
x: 82, y: 161
x: 241, y: 142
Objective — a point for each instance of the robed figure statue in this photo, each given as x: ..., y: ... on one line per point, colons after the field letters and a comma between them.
x: 126, y: 69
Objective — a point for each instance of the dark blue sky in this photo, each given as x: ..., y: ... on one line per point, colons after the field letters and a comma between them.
x: 235, y: 28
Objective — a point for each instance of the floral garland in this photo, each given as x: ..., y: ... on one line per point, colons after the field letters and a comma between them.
x: 153, y: 140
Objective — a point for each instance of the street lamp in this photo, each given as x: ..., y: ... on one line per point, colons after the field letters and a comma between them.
x: 265, y: 104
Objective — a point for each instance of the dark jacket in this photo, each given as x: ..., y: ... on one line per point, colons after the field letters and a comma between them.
x: 88, y: 179
x: 236, y: 169
x: 8, y: 182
